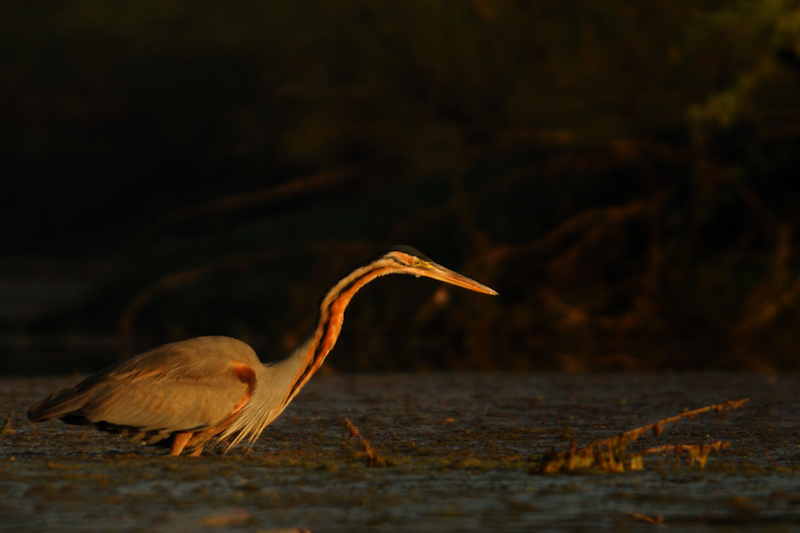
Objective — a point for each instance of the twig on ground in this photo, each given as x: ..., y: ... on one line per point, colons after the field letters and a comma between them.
x: 609, y: 455
x: 373, y: 458
x: 659, y: 520
x: 697, y: 452
x: 6, y: 428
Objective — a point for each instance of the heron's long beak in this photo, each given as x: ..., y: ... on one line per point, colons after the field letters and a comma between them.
x: 438, y: 272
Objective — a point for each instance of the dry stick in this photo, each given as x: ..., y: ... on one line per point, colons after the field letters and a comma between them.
x: 6, y: 428
x: 124, y: 334
x: 373, y: 458
x: 773, y: 295
x: 125, y: 323
x: 658, y: 427
x: 697, y: 452
x: 573, y: 226
x: 612, y: 458
x: 659, y: 520
x: 770, y: 310
x: 237, y: 202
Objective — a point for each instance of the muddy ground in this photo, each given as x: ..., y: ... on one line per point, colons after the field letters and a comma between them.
x: 463, y: 448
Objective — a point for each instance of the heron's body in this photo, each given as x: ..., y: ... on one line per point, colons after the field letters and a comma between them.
x: 216, y: 388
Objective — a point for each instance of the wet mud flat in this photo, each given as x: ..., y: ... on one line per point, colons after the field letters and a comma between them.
x: 462, y: 449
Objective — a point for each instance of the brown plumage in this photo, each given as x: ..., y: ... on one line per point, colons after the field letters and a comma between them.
x: 209, y: 389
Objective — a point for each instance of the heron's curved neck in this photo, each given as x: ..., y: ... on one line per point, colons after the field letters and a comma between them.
x: 309, y: 356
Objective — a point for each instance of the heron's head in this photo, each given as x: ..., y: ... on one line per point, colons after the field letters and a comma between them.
x: 407, y: 260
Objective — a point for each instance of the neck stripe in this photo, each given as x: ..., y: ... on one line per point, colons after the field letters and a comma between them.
x: 331, y: 316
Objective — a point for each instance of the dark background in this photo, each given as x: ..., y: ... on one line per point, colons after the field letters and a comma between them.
x: 624, y: 174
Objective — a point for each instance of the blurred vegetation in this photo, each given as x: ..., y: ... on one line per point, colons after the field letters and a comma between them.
x: 624, y: 174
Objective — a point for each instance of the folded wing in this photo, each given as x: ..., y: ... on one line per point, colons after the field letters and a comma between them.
x: 185, y: 386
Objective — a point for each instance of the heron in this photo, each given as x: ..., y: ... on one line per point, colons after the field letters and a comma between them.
x: 213, y: 390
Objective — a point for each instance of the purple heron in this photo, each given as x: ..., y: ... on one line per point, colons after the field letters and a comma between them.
x: 205, y: 390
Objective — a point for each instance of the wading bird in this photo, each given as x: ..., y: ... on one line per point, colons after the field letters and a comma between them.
x: 214, y: 389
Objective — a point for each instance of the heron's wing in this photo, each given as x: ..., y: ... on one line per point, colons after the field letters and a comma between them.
x: 177, y: 387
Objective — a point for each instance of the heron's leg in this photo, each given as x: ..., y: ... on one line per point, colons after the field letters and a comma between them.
x: 196, y: 452
x: 179, y: 441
